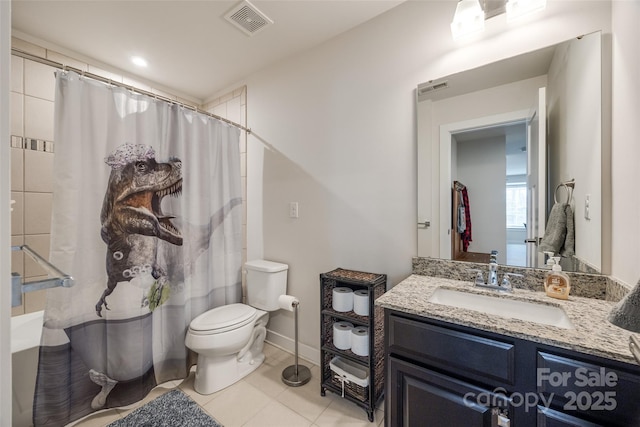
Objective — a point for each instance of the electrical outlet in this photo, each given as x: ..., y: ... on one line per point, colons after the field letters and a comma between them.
x: 293, y: 209
x: 587, y: 213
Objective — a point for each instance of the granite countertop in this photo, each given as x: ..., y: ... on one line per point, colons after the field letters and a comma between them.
x: 593, y: 334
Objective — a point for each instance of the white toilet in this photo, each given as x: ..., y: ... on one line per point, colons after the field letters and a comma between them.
x: 229, y: 340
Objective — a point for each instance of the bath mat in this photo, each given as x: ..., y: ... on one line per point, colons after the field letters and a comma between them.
x: 172, y: 409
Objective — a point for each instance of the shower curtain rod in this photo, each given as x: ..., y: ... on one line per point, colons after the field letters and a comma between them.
x: 45, y: 61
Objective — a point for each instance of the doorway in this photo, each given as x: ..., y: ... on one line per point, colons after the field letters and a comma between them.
x: 487, y: 192
x: 492, y: 162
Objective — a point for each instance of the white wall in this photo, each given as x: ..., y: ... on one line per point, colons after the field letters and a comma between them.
x: 335, y: 131
x: 625, y: 150
x: 351, y: 169
x: 574, y: 148
x: 481, y: 166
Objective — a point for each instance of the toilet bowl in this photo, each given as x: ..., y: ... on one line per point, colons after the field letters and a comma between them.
x: 229, y: 339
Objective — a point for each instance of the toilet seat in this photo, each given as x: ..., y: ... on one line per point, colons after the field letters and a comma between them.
x: 223, y: 319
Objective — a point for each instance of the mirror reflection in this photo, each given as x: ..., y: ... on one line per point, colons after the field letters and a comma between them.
x: 497, y: 146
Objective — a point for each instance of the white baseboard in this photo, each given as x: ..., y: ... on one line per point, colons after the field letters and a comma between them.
x: 306, y: 352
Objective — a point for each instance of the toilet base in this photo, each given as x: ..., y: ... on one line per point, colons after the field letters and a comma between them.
x: 215, y: 373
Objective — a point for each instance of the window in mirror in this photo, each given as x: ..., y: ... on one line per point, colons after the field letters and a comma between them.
x: 517, y: 205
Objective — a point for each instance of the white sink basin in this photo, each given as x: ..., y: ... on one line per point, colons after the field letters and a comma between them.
x: 504, y: 307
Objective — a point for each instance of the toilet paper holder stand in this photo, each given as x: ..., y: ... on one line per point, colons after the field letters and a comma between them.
x: 296, y: 375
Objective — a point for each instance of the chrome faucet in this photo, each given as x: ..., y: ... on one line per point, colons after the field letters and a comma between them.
x: 492, y: 277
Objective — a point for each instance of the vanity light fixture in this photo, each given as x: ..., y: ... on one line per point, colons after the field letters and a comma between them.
x: 626, y: 315
x: 470, y: 14
x: 468, y: 19
x: 519, y: 8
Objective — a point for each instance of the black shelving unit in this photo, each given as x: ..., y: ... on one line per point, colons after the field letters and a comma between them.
x: 368, y: 397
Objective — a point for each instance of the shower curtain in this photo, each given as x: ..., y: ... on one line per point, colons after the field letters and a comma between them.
x: 147, y: 216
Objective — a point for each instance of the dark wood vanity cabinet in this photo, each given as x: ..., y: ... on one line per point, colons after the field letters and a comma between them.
x: 423, y: 397
x: 440, y: 374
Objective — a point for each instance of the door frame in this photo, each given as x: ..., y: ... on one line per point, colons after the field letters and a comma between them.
x: 447, y: 131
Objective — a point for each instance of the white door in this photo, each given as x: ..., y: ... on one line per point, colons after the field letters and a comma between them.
x: 536, y: 179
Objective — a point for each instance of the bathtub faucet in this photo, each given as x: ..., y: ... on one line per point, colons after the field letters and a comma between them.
x: 18, y: 288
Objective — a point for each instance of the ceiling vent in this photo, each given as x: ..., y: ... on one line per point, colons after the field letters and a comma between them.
x: 430, y: 87
x: 248, y: 18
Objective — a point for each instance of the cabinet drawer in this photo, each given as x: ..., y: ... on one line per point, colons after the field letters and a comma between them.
x: 452, y: 350
x: 599, y: 392
x: 550, y: 418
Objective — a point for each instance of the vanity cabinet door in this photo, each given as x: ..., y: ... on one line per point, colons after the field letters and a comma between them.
x: 421, y: 397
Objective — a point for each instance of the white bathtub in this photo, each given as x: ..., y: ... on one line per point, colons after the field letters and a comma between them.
x: 26, y: 331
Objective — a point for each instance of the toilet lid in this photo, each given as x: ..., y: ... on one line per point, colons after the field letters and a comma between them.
x: 229, y: 316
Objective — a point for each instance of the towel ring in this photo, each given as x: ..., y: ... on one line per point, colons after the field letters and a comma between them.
x: 569, y: 185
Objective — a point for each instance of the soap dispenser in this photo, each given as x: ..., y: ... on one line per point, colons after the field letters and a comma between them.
x: 557, y: 284
x: 550, y: 261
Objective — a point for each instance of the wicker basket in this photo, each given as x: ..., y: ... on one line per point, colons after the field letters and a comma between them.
x: 350, y: 388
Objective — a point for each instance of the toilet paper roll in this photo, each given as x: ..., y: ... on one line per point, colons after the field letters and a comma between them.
x: 342, y: 335
x: 360, y: 340
x: 286, y: 302
x: 361, y: 302
x: 342, y: 299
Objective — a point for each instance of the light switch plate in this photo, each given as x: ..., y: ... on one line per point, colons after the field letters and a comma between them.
x: 293, y: 209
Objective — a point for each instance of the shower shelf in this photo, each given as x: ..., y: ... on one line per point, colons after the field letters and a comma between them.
x: 368, y: 397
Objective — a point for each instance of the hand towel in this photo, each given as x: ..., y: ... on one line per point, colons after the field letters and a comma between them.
x: 559, y: 235
x: 568, y: 248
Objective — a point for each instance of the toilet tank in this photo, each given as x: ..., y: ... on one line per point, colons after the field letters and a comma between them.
x: 266, y: 281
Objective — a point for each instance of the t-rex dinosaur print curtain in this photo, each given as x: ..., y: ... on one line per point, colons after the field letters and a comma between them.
x: 147, y: 218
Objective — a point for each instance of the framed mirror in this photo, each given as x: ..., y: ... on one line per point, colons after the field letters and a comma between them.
x: 519, y: 136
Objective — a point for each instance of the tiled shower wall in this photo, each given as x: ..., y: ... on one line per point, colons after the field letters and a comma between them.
x: 32, y: 95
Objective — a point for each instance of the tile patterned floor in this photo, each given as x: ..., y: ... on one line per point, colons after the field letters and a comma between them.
x: 261, y: 400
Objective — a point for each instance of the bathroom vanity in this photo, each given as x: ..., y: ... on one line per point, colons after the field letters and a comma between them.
x: 456, y: 366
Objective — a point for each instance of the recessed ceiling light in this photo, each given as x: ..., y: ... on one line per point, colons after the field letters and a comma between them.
x: 139, y: 61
